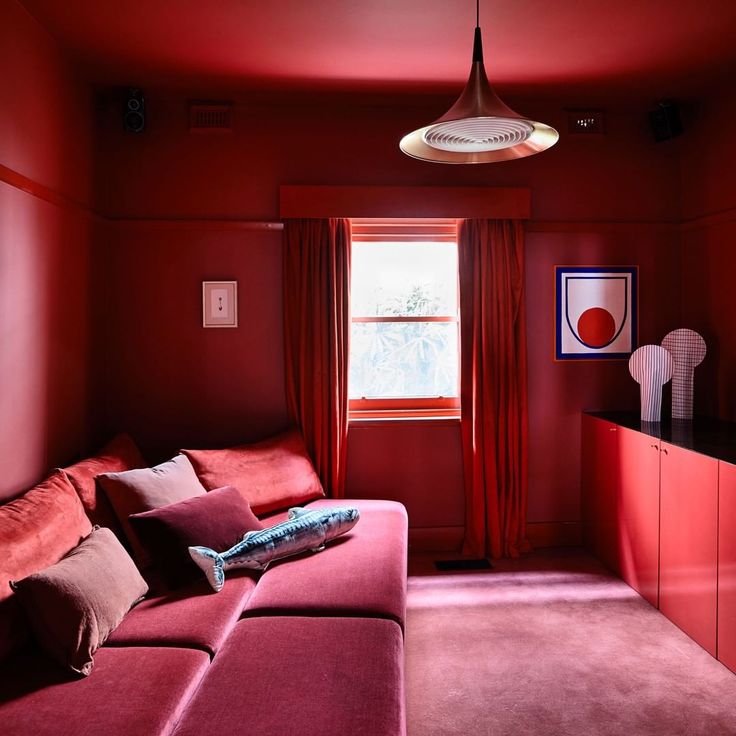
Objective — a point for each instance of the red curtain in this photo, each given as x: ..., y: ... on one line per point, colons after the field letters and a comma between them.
x: 317, y: 334
x: 493, y: 386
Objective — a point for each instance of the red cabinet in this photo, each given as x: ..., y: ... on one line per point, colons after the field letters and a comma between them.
x: 638, y: 512
x: 727, y: 565
x: 688, y: 550
x: 620, y: 471
x: 599, y: 488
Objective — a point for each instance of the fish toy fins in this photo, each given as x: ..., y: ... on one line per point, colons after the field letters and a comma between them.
x: 210, y: 563
x: 297, y: 511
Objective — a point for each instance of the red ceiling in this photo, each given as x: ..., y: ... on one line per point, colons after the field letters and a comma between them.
x: 663, y: 47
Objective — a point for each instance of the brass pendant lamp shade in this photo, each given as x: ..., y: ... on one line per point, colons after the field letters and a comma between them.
x: 478, y: 128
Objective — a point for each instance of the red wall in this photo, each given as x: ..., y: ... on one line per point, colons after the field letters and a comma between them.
x: 708, y: 173
x: 171, y: 383
x: 45, y: 134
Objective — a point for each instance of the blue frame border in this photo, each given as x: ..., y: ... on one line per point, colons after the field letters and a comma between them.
x: 633, y: 271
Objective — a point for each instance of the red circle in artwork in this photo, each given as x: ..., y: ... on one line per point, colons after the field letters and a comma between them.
x: 596, y: 327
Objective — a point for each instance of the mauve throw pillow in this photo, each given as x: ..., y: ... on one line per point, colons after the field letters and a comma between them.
x: 120, y: 454
x: 218, y: 520
x: 274, y: 474
x: 74, y: 605
x: 135, y: 491
x: 36, y: 530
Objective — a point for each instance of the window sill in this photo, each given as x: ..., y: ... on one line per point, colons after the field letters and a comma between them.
x: 377, y: 419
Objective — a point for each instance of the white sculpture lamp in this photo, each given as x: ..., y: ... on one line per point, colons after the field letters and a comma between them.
x: 651, y: 366
x: 687, y: 348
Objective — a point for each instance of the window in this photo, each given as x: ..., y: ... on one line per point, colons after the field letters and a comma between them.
x: 405, y: 319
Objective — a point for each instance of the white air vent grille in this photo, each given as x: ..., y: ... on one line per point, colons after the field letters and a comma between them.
x: 211, y: 118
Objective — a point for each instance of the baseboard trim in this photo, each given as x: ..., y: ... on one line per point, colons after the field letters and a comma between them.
x: 436, y: 539
x: 543, y: 534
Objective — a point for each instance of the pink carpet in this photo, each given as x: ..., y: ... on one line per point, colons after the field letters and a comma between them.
x: 553, y: 645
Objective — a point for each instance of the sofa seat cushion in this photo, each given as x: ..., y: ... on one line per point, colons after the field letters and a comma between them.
x: 134, y: 690
x: 194, y: 617
x: 307, y: 676
x: 362, y: 573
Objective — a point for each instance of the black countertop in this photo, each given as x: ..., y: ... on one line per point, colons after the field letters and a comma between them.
x: 705, y: 435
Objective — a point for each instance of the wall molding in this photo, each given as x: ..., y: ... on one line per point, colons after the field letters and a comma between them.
x: 514, y: 195
x: 40, y: 191
x: 709, y: 220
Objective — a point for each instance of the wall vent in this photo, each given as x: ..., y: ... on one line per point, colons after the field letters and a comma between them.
x: 586, y: 122
x: 211, y: 117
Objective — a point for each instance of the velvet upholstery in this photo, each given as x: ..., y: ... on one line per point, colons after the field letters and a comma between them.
x: 311, y: 676
x: 192, y: 617
x: 362, y: 573
x: 75, y: 604
x: 135, y: 691
x: 134, y: 491
x: 120, y: 454
x: 217, y: 520
x: 273, y: 474
x: 36, y: 530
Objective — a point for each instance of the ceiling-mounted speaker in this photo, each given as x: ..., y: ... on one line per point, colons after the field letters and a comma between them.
x: 665, y: 121
x: 134, y: 111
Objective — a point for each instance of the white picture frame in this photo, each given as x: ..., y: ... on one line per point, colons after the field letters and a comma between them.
x: 219, y: 304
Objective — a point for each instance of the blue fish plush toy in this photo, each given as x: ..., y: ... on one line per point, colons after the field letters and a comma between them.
x: 304, y: 530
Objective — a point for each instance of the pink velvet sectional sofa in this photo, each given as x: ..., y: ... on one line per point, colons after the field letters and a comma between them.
x: 313, y: 646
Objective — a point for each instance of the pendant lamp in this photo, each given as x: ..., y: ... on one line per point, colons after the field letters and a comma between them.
x: 479, y: 128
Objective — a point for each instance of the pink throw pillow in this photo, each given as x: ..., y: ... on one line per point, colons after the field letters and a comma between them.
x: 36, y: 530
x: 218, y: 520
x: 135, y: 491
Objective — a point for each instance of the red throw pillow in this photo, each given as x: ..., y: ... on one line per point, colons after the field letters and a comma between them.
x: 217, y: 520
x: 36, y: 530
x: 120, y: 454
x: 273, y: 474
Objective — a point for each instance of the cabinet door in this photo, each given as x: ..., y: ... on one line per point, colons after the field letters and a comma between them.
x: 727, y: 565
x: 688, y: 552
x: 638, y: 512
x: 599, y: 488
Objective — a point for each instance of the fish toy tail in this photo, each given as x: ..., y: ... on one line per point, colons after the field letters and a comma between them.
x: 211, y: 564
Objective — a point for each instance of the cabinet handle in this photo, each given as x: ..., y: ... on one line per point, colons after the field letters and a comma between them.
x: 612, y: 429
x: 655, y: 447
x: 664, y: 450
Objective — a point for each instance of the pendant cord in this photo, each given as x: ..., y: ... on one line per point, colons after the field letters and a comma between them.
x: 477, y: 13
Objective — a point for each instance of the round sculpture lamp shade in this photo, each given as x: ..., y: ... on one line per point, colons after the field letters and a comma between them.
x: 479, y: 128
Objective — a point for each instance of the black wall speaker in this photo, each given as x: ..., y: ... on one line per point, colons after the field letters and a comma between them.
x: 134, y: 111
x: 665, y: 121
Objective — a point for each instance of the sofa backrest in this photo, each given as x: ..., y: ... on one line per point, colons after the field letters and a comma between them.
x: 36, y: 530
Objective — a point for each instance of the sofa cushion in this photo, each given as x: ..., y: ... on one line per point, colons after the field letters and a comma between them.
x: 74, y: 605
x: 134, y: 491
x: 217, y: 520
x: 362, y: 573
x: 120, y: 454
x: 308, y: 676
x: 193, y: 617
x: 36, y: 530
x: 134, y: 690
x: 273, y: 474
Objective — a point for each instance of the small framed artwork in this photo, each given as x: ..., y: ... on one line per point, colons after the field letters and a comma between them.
x: 219, y: 303
x: 595, y: 312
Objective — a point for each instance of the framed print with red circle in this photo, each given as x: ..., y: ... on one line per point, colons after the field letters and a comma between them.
x: 595, y: 312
